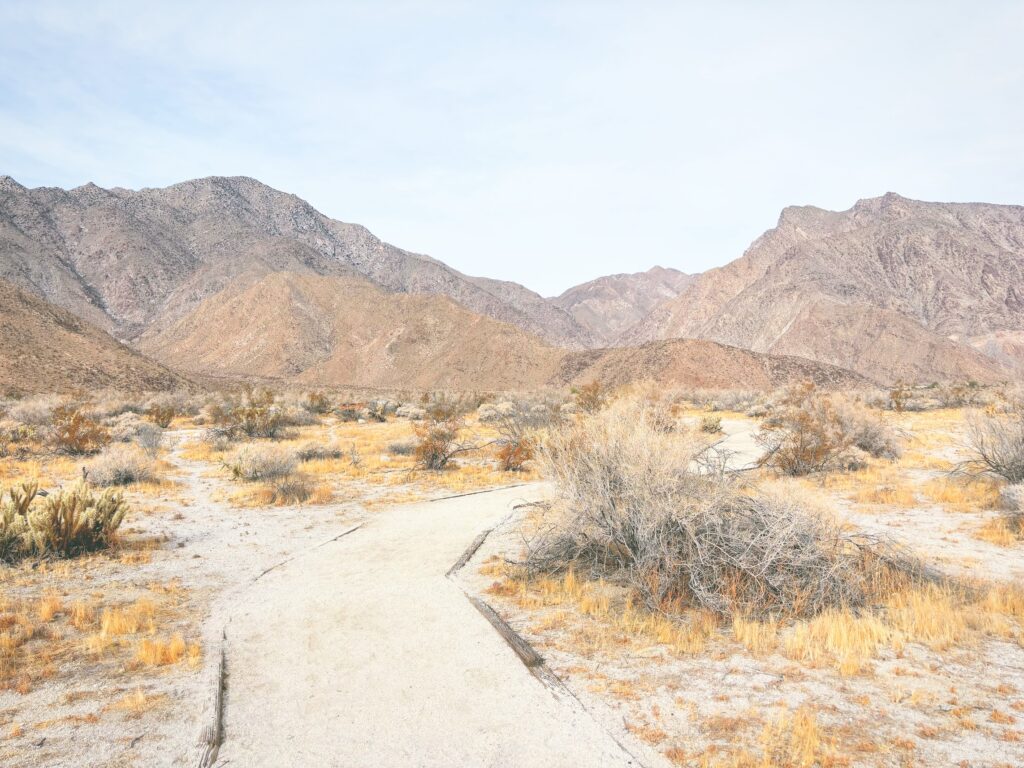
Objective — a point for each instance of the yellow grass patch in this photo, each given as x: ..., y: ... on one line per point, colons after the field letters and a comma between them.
x: 963, y: 494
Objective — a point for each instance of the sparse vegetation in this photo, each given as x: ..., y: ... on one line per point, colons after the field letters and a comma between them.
x: 161, y: 414
x: 590, y: 397
x: 318, y: 403
x: 256, y: 463
x: 711, y: 424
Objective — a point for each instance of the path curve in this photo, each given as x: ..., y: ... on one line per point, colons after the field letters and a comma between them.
x: 362, y: 653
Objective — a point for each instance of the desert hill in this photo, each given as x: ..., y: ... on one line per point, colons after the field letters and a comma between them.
x: 130, y: 261
x: 922, y: 280
x: 609, y: 305
x: 44, y: 348
x: 345, y: 331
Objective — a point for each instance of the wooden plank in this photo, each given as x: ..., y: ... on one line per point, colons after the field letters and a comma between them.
x: 466, y: 556
x: 515, y: 641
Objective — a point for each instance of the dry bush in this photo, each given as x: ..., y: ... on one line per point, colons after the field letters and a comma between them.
x: 121, y: 465
x: 75, y: 433
x: 63, y: 524
x: 124, y: 427
x: 150, y: 438
x: 318, y: 403
x: 996, y: 443
x: 590, y: 397
x: 34, y: 411
x: 254, y: 463
x: 254, y: 416
x: 635, y: 503
x: 402, y: 448
x: 711, y: 424
x: 437, y: 442
x: 519, y: 424
x: 809, y: 431
x: 313, y: 451
x: 349, y: 412
x: 161, y: 415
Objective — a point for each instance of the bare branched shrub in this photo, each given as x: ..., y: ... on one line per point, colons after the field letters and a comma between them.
x: 125, y: 427
x: 804, y: 433
x: 633, y: 504
x: 63, y: 524
x: 438, y: 441
x: 254, y: 463
x: 121, y: 465
x: 150, y: 438
x: 869, y: 432
x: 996, y: 443
x: 74, y: 433
x: 518, y: 425
x: 291, y: 489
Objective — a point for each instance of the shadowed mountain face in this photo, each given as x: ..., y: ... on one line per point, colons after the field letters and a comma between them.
x: 130, y: 260
x: 44, y: 348
x: 609, y: 305
x: 892, y: 288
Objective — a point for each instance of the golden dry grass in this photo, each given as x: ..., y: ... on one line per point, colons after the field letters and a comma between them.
x: 963, y: 494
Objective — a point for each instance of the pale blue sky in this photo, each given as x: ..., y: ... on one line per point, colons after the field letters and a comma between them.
x: 544, y: 142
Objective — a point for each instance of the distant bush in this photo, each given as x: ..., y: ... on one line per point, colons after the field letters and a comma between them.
x: 150, y: 438
x: 76, y: 434
x: 121, y: 465
x: 124, y: 427
x: 318, y: 403
x: 348, y: 413
x: 34, y: 411
x: 518, y: 425
x: 161, y: 415
x: 312, y: 451
x: 804, y: 433
x: 438, y: 442
x: 64, y: 524
x: 402, y: 448
x: 590, y: 397
x: 261, y: 463
x: 711, y: 424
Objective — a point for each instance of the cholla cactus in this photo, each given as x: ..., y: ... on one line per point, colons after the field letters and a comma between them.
x: 14, y: 528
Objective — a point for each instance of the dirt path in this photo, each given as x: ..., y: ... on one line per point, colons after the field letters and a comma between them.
x: 362, y: 652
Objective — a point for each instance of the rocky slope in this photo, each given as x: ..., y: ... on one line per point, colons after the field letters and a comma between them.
x: 345, y: 331
x: 890, y: 288
x: 44, y: 348
x: 609, y: 305
x: 134, y: 260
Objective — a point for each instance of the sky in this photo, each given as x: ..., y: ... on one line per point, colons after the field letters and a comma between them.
x: 543, y: 142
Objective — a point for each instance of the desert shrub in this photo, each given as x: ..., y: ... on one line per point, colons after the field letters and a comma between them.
x: 438, y: 442
x: 996, y: 444
x: 161, y: 415
x: 349, y: 412
x: 590, y: 397
x: 15, y: 438
x: 899, y: 395
x: 110, y: 406
x: 34, y: 411
x: 74, y: 433
x: 711, y: 424
x: 411, y: 412
x: 402, y: 448
x: 318, y: 403
x: 805, y: 433
x: 261, y: 462
x: 291, y: 489
x: 518, y: 425
x: 124, y: 427
x: 121, y: 465
x: 958, y: 394
x: 313, y: 451
x: 150, y: 438
x: 379, y: 410
x: 868, y: 432
x: 632, y: 506
x: 63, y: 524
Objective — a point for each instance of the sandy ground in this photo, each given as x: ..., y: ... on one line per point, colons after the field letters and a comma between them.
x: 362, y: 652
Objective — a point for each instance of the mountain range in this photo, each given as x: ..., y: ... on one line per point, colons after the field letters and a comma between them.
x: 229, y: 277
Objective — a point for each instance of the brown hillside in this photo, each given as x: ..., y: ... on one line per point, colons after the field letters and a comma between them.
x: 44, y: 348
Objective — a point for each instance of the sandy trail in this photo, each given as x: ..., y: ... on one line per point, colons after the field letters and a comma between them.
x: 361, y: 652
